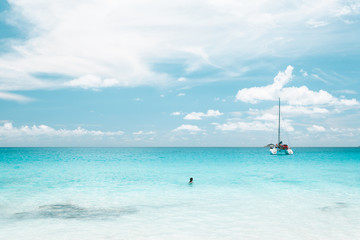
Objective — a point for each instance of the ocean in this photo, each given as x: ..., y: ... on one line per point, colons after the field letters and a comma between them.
x: 143, y: 193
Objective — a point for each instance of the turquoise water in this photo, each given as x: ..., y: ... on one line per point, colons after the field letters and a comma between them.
x: 143, y: 193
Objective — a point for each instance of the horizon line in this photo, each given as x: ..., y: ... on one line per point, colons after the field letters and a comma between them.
x: 169, y: 147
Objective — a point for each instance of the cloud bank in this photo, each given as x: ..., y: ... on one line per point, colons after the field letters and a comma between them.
x: 8, y: 130
x: 301, y: 96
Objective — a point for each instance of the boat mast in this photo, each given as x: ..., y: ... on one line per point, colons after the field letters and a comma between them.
x: 279, y: 124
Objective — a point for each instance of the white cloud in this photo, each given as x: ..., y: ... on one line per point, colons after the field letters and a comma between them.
x: 181, y: 94
x: 267, y: 125
x: 137, y: 99
x: 200, y: 115
x: 316, y: 24
x: 349, y: 103
x: 144, y: 132
x: 219, y: 99
x: 8, y: 130
x: 349, y: 9
x: 303, y: 96
x: 14, y: 97
x: 270, y: 92
x: 267, y: 117
x: 236, y: 114
x: 189, y: 128
x: 93, y: 82
x: 118, y: 42
x: 182, y: 79
x: 345, y: 130
x: 176, y: 113
x: 246, y: 126
x: 289, y: 110
x: 303, y: 110
x: 316, y: 128
x: 304, y: 73
x: 292, y: 95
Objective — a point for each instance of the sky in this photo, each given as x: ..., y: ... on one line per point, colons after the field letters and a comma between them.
x: 199, y: 73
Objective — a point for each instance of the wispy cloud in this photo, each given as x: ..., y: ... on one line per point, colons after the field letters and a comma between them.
x: 345, y: 130
x: 316, y: 24
x: 316, y: 76
x: 352, y: 8
x: 346, y: 91
x: 105, y: 44
x: 268, y: 124
x: 144, y: 132
x: 14, y: 97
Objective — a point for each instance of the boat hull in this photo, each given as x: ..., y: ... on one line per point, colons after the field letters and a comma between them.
x: 275, y: 151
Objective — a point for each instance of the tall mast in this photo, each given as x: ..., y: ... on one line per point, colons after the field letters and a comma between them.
x: 279, y: 124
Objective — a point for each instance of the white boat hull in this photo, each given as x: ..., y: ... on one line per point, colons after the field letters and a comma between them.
x: 275, y: 151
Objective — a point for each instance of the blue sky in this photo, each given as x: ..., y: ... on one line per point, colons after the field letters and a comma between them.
x: 193, y: 73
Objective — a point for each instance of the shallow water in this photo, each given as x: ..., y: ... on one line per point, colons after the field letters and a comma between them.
x: 143, y: 193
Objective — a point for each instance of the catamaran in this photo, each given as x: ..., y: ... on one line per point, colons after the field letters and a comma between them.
x: 280, y: 147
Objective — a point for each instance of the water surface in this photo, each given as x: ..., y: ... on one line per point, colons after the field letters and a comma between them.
x: 143, y: 193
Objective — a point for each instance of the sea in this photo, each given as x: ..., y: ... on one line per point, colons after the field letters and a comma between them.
x: 144, y: 193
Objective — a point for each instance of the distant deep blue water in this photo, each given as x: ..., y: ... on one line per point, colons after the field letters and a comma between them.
x: 143, y: 193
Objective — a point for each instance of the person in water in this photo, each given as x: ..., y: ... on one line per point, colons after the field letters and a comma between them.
x: 191, y: 180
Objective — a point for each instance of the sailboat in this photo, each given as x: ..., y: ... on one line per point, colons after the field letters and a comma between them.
x: 280, y: 147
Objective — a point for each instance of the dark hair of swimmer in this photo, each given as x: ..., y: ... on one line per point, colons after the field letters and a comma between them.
x: 191, y: 180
